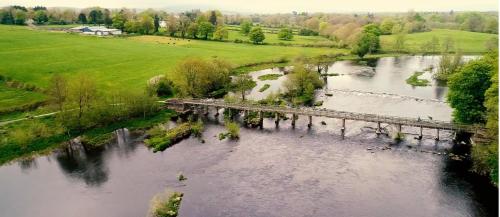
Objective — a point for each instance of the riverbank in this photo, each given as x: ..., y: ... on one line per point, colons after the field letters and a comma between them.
x: 94, y: 137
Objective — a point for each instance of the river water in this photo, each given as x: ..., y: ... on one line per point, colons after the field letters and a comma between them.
x: 271, y: 172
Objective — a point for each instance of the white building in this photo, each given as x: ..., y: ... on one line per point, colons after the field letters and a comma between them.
x: 96, y: 30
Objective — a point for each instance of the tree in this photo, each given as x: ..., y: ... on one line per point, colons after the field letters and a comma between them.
x: 256, y: 35
x: 245, y: 27
x: 213, y: 18
x: 107, y: 18
x: 193, y: 30
x: 183, y: 25
x: 205, y: 29
x: 386, y: 26
x: 58, y: 90
x: 20, y: 17
x: 156, y: 23
x: 467, y: 90
x: 448, y: 45
x: 119, y: 20
x: 172, y: 25
x: 367, y: 43
x: 372, y: 28
x: 243, y: 83
x: 399, y: 42
x: 83, y: 95
x: 285, y: 34
x: 221, y: 33
x: 40, y: 17
x: 146, y: 24
x: 96, y: 16
x: 448, y: 65
x: 301, y: 84
x: 195, y: 77
x: 82, y: 18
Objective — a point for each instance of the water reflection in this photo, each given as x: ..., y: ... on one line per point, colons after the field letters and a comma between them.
x: 88, y: 166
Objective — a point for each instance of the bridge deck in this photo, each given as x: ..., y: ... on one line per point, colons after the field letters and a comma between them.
x: 306, y: 111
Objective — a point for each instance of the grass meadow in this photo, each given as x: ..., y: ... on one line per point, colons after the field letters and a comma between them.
x: 467, y: 42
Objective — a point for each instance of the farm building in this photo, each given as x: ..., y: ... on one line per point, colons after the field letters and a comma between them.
x: 96, y: 30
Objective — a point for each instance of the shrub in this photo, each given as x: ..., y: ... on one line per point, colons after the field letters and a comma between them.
x: 166, y: 206
x: 197, y: 128
x: 169, y: 137
x: 233, y: 130
x: 264, y: 88
x: 415, y: 81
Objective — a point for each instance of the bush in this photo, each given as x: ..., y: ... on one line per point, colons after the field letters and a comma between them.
x: 264, y: 88
x: 197, y: 128
x: 233, y: 130
x: 415, y: 81
x: 169, y: 137
x: 163, y: 206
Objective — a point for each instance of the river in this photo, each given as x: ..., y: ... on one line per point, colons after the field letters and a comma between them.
x: 275, y: 171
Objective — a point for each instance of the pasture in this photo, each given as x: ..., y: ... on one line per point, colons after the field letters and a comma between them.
x: 467, y: 42
x: 33, y: 56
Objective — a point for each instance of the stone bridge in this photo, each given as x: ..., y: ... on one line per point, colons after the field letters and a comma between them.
x: 204, y: 104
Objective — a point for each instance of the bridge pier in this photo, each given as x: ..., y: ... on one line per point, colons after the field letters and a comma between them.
x: 379, y: 129
x: 261, y: 119
x: 206, y: 111
x: 310, y: 122
x: 342, y: 130
x: 421, y: 135
x: 294, y: 117
x: 216, y: 111
x: 277, y: 121
x: 399, y: 128
x: 437, y: 134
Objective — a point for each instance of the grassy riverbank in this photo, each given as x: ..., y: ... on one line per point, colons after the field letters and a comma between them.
x: 54, y: 139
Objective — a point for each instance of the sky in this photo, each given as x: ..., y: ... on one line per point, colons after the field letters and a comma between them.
x: 276, y: 6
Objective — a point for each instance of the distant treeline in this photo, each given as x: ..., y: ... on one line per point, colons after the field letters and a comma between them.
x: 343, y: 28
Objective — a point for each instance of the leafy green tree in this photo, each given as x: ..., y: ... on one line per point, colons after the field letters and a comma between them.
x: 301, y: 84
x: 448, y: 65
x: 372, y: 28
x: 96, y: 16
x: 386, y: 26
x: 193, y: 30
x: 195, y: 77
x: 245, y: 27
x: 367, y: 43
x: 172, y: 25
x: 256, y: 35
x: 82, y: 18
x: 20, y: 17
x: 205, y: 29
x: 243, y: 83
x: 467, y: 91
x: 40, y: 17
x: 119, y: 20
x: 285, y: 34
x: 213, y: 18
x: 107, y: 20
x: 221, y: 33
x: 156, y: 23
x: 146, y: 25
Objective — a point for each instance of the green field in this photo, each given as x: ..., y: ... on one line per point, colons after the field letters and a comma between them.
x: 467, y: 42
x: 32, y: 56
x: 11, y: 98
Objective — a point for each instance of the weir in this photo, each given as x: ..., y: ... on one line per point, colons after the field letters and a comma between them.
x: 182, y: 105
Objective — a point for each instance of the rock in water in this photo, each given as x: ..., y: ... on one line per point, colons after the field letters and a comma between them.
x: 365, y: 71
